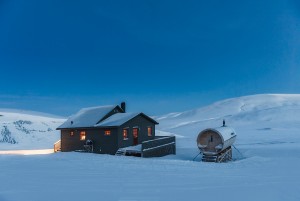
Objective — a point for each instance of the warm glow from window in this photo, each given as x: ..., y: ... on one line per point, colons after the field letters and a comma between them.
x: 82, y: 135
x: 107, y: 132
x: 149, y: 131
x: 71, y: 133
x: 135, y: 132
x: 125, y: 134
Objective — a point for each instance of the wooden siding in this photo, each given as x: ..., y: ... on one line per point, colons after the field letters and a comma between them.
x: 137, y: 122
x: 160, y: 146
x: 205, y: 139
x: 102, y: 143
x: 107, y: 144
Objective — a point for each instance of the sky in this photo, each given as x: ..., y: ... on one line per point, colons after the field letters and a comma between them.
x: 158, y: 56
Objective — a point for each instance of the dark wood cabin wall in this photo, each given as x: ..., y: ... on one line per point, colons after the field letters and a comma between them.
x: 70, y: 143
x: 101, y: 143
x: 140, y: 122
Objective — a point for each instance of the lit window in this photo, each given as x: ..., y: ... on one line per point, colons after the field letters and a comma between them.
x: 149, y: 131
x: 135, y: 132
x: 71, y: 133
x: 82, y: 135
x: 125, y: 134
x: 107, y: 132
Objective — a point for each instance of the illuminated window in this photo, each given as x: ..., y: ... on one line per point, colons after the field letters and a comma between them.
x: 135, y: 132
x: 107, y: 132
x: 82, y: 135
x: 125, y: 134
x: 149, y: 131
x: 71, y: 133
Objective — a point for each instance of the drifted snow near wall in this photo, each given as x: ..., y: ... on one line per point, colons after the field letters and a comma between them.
x: 27, y: 131
x: 268, y: 135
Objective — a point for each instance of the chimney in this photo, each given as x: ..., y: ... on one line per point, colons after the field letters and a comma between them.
x: 123, y: 106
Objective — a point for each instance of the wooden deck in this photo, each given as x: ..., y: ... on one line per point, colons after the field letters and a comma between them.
x: 160, y: 146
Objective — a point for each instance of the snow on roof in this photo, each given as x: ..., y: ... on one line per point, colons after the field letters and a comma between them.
x: 132, y: 148
x: 226, y: 132
x: 117, y: 119
x: 87, y: 117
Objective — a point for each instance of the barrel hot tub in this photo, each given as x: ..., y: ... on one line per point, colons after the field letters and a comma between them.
x: 216, y: 141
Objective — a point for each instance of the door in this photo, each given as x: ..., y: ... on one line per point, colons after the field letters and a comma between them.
x: 135, y: 133
x: 213, y: 141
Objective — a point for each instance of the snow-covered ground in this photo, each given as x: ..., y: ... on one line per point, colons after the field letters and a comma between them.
x: 268, y: 128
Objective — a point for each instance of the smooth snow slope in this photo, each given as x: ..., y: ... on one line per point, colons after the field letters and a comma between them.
x: 27, y: 130
x: 257, y: 119
x: 257, y: 111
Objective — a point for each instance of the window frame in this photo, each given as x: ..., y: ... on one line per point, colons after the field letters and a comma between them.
x: 107, y: 132
x: 127, y: 131
x: 82, y: 135
x: 137, y: 132
x: 151, y: 133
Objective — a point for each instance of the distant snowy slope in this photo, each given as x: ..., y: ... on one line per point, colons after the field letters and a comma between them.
x: 254, y: 109
x: 257, y: 119
x: 27, y: 130
x: 267, y: 118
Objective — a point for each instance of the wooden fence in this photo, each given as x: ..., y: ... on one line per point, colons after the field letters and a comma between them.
x: 160, y: 146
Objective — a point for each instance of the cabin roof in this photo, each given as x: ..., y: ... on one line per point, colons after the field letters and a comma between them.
x: 117, y: 119
x: 87, y: 117
x: 120, y: 119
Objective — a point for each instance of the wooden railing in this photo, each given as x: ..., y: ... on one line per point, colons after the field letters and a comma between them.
x: 57, y: 146
x: 160, y: 146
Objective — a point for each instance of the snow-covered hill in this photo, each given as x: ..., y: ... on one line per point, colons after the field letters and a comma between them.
x: 256, y: 111
x: 258, y: 119
x: 27, y: 130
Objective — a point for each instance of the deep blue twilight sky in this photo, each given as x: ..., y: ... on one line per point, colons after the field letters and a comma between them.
x: 159, y: 56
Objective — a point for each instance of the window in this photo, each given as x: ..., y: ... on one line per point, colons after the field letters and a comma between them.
x: 125, y: 134
x: 149, y: 131
x: 211, y: 138
x: 107, y: 132
x: 82, y: 135
x: 135, y: 132
x: 71, y: 133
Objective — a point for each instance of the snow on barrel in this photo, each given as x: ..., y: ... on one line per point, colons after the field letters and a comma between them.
x: 215, y: 143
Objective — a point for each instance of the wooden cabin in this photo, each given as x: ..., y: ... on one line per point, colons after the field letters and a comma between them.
x: 215, y: 144
x: 106, y: 129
